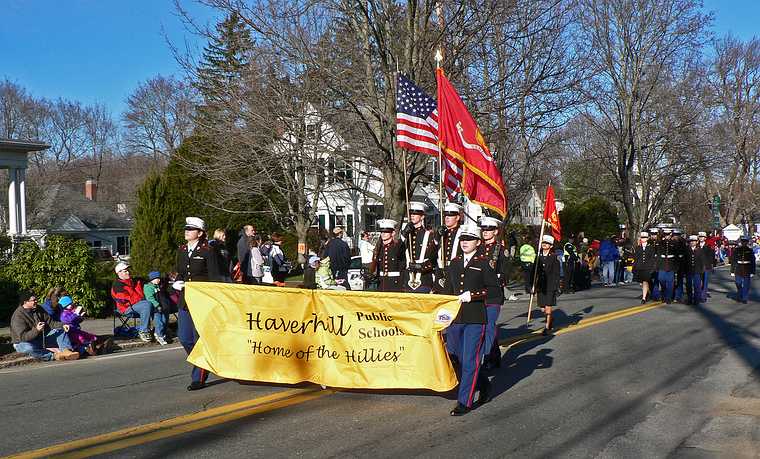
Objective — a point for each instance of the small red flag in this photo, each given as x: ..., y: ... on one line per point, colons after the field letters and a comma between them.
x: 460, y: 138
x: 551, y: 217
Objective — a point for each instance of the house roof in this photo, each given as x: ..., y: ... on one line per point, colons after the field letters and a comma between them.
x: 64, y: 209
x: 22, y: 145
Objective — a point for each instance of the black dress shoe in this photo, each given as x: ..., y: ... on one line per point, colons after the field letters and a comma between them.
x: 643, y: 301
x: 484, y: 396
x: 196, y: 385
x: 459, y: 410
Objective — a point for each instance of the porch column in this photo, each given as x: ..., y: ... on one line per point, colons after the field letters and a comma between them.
x: 13, y: 214
x: 21, y: 178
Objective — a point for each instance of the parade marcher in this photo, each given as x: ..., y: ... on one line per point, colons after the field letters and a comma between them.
x: 420, y: 245
x: 471, y: 278
x: 696, y: 263
x: 448, y: 240
x: 389, y: 258
x: 547, y: 280
x: 682, y: 247
x: 493, y: 251
x: 710, y: 259
x: 742, y: 269
x: 667, y: 265
x: 196, y: 261
x: 527, y: 261
x: 654, y: 284
x: 644, y: 264
x: 572, y: 268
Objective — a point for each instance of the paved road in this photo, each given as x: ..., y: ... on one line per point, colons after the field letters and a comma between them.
x: 671, y: 381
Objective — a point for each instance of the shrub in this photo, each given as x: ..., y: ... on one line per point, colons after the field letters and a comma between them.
x: 64, y: 262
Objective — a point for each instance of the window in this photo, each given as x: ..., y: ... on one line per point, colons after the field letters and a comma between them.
x: 350, y: 225
x: 122, y: 245
x: 371, y: 215
x: 343, y: 171
x: 321, y: 222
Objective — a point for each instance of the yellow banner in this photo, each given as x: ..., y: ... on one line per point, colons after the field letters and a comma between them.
x: 371, y: 340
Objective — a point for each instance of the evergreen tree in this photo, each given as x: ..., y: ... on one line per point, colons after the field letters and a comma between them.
x: 220, y: 73
x: 166, y: 198
x: 155, y: 234
x: 594, y: 216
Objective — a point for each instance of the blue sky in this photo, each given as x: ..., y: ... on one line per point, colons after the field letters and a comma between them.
x: 91, y: 50
x: 99, y: 50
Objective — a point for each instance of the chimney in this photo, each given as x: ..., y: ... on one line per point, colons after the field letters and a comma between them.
x: 90, y: 190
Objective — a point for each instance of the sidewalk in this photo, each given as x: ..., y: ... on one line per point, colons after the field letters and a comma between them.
x: 101, y: 327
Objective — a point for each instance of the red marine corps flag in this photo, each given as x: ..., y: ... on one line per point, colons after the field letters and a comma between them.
x: 551, y: 217
x: 460, y: 138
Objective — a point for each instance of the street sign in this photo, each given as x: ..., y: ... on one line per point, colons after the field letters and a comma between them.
x: 716, y: 212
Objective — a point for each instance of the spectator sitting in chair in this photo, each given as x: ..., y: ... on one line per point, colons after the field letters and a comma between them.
x: 32, y: 330
x: 128, y: 295
x: 152, y: 291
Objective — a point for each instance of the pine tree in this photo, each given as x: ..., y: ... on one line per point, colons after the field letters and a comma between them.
x: 156, y: 233
x: 221, y: 70
x: 164, y: 201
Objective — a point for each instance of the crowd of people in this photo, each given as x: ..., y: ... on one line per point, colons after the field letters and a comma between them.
x: 469, y: 259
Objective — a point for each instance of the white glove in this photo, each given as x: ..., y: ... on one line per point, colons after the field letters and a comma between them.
x: 465, y: 297
x: 178, y: 285
x: 732, y: 274
x: 751, y: 275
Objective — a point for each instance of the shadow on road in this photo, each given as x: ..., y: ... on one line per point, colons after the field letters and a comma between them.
x: 561, y: 319
x: 516, y: 365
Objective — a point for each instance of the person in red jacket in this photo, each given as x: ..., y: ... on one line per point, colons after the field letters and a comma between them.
x: 128, y: 295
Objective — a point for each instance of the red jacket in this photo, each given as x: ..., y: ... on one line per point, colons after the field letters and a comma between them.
x: 126, y: 292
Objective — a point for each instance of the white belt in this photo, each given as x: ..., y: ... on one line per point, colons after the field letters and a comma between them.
x: 390, y: 274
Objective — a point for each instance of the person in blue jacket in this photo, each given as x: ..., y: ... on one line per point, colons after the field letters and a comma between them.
x: 608, y: 255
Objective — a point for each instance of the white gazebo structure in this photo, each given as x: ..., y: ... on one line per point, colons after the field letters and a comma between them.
x: 14, y: 156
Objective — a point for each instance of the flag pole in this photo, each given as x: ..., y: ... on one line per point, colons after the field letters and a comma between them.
x: 438, y: 61
x: 535, y: 260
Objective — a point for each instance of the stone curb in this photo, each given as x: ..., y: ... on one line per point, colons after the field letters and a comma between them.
x: 124, y: 346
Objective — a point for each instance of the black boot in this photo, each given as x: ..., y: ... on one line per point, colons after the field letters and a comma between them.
x: 459, y: 410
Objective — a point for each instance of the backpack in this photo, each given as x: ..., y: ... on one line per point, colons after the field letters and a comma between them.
x: 265, y: 249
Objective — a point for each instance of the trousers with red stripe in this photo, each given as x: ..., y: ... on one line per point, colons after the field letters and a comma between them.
x: 188, y: 336
x: 467, y: 343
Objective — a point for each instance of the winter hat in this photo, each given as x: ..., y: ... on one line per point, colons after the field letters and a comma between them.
x: 65, y: 301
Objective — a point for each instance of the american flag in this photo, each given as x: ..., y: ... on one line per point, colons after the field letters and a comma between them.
x: 417, y: 130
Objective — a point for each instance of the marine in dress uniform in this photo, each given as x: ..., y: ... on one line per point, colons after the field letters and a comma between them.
x: 389, y: 258
x: 667, y: 265
x: 710, y: 258
x: 420, y: 244
x: 547, y: 279
x: 492, y: 250
x: 196, y: 261
x: 644, y: 264
x: 471, y: 278
x: 448, y: 240
x: 696, y: 263
x: 654, y: 239
x: 680, y: 276
x: 742, y: 269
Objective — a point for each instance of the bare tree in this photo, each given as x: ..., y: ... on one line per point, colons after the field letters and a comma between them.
x: 19, y: 112
x: 101, y: 136
x: 734, y: 96
x: 159, y: 116
x: 637, y: 51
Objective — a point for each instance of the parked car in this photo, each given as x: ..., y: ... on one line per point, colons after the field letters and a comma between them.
x: 355, y: 275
